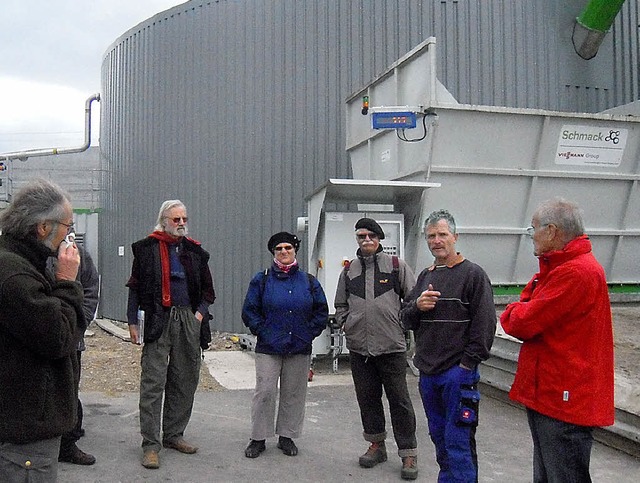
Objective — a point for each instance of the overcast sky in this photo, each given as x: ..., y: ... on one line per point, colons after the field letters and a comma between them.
x: 50, y: 59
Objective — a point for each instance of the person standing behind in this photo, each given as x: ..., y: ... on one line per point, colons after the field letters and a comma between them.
x: 90, y: 281
x: 452, y: 314
x: 171, y: 282
x: 367, y: 302
x: 565, y: 367
x: 38, y: 332
x: 286, y: 309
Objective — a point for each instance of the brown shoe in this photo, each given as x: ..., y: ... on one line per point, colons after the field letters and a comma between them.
x: 180, y: 445
x: 377, y: 453
x: 150, y: 459
x: 409, y: 468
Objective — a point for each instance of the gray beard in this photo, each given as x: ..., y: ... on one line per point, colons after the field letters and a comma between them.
x: 48, y: 242
x: 184, y: 231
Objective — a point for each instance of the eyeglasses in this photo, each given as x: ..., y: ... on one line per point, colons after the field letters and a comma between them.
x: 287, y: 248
x: 69, y: 226
x: 532, y: 229
x: 363, y: 236
x: 178, y: 218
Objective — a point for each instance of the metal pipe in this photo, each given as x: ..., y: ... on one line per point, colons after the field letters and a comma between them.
x: 592, y: 26
x: 23, y: 155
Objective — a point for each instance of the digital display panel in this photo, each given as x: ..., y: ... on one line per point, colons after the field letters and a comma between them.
x: 393, y: 120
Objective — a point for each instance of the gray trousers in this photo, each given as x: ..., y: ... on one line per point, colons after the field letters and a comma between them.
x: 293, y: 373
x: 35, y: 462
x: 170, y: 366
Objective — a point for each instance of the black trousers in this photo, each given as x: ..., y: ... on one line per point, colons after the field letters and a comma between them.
x: 389, y: 372
x: 70, y: 438
x: 561, y: 451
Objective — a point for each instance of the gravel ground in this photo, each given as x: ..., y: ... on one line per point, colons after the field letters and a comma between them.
x: 112, y: 366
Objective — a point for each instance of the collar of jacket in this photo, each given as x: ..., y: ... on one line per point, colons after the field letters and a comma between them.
x: 578, y: 246
x: 281, y: 274
x: 34, y: 251
x: 364, y: 257
x: 456, y: 261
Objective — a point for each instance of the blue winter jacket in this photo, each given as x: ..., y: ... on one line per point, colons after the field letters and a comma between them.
x: 288, y: 315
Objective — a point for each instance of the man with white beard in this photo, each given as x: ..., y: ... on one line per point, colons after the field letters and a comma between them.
x: 171, y: 283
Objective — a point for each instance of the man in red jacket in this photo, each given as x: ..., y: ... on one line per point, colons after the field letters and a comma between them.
x: 565, y: 367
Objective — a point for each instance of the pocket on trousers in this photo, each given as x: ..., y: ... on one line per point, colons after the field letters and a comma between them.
x: 15, y: 464
x: 469, y: 405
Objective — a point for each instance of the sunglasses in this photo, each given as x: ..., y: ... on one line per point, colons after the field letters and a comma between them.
x: 372, y: 236
x: 178, y: 218
x: 288, y: 247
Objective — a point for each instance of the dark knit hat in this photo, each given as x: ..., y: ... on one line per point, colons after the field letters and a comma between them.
x: 370, y: 225
x: 283, y: 237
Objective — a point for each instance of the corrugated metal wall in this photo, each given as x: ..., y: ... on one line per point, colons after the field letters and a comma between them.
x: 237, y: 107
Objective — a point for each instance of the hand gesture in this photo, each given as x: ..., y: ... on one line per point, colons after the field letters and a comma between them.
x: 427, y: 299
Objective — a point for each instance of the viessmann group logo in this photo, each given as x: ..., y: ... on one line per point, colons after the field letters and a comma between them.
x: 587, y: 145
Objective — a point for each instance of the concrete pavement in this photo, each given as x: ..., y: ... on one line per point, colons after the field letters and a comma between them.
x: 329, y: 447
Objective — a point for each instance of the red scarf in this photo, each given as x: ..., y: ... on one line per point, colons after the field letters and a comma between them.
x: 165, y: 240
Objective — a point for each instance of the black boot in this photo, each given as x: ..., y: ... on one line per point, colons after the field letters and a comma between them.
x: 256, y: 446
x: 287, y: 446
x: 75, y: 455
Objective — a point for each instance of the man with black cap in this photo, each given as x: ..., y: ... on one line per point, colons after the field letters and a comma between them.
x: 367, y: 303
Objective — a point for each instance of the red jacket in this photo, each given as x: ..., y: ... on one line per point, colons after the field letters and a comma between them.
x: 565, y: 369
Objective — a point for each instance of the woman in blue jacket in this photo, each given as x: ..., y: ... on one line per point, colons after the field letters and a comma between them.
x: 286, y: 309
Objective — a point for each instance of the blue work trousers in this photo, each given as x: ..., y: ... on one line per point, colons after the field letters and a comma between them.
x: 450, y: 401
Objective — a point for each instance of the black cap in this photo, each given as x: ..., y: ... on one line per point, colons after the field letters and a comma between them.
x: 371, y: 225
x: 283, y: 237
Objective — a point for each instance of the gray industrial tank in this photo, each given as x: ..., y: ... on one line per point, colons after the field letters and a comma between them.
x: 238, y: 108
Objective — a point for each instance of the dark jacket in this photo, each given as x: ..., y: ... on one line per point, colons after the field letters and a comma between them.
x: 288, y: 314
x: 38, y: 343
x: 145, y: 283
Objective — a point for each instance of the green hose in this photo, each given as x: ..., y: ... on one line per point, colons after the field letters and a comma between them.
x: 600, y: 14
x: 592, y: 26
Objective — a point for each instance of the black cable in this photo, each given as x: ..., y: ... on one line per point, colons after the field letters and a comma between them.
x: 403, y: 137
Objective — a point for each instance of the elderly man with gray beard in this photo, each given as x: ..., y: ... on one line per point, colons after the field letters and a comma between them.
x: 171, y: 283
x: 39, y: 317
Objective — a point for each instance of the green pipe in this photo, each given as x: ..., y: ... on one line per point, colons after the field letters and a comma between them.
x: 600, y: 14
x: 592, y: 25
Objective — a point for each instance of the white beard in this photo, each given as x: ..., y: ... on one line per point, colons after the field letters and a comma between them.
x: 177, y: 231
